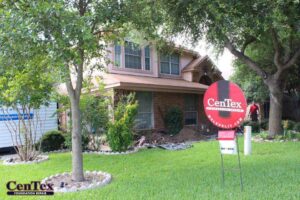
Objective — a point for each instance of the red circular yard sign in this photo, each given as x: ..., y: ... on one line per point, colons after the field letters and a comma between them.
x: 225, y: 104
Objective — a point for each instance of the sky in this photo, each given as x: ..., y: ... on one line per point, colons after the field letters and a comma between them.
x: 223, y: 62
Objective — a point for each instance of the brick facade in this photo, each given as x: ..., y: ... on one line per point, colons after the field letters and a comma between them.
x: 161, y: 101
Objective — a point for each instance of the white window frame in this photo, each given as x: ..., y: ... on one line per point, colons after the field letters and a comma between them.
x: 170, y: 65
x: 123, y: 61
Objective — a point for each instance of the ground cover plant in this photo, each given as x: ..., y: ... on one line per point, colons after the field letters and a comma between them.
x: 271, y: 172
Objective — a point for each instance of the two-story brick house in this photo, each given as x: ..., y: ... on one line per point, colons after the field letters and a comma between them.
x: 161, y: 81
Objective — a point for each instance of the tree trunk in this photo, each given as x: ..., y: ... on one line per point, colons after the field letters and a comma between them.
x: 77, y: 163
x: 275, y: 114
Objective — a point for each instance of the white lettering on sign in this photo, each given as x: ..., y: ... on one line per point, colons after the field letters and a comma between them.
x: 226, y: 105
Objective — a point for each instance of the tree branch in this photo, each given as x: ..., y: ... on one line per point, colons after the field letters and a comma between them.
x: 292, y: 60
x: 100, y: 32
x: 252, y: 64
x: 248, y: 41
x: 69, y: 84
x: 79, y: 72
x: 277, y: 47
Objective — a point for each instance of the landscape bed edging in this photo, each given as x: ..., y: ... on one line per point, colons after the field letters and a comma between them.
x: 42, y: 159
x: 107, y: 179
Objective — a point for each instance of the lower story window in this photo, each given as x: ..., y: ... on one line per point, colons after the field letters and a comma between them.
x: 190, y: 117
x: 190, y: 109
x: 144, y: 116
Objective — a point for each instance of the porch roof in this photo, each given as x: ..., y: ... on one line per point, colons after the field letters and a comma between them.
x: 158, y: 84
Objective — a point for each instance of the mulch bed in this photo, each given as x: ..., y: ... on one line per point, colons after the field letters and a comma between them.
x: 16, y: 160
x: 64, y: 183
x: 185, y: 135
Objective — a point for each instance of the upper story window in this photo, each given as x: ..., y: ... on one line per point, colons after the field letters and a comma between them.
x: 117, y: 55
x: 147, y: 58
x: 132, y: 56
x: 169, y: 64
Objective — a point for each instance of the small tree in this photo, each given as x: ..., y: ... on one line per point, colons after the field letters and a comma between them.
x: 120, y: 132
x: 95, y: 114
x: 23, y: 91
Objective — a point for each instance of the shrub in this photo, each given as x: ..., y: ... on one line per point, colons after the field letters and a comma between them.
x: 174, y: 120
x: 119, y: 136
x: 255, y: 126
x: 94, y: 114
x: 290, y: 135
x: 264, y: 124
x: 288, y: 124
x: 296, y: 126
x: 120, y: 132
x: 68, y: 141
x: 263, y: 135
x: 52, y: 140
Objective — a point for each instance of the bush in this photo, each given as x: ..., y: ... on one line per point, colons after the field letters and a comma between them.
x: 94, y: 114
x: 288, y: 124
x: 174, y: 120
x: 264, y: 124
x: 119, y: 136
x: 290, y: 135
x: 255, y: 126
x: 296, y: 126
x: 120, y: 132
x: 263, y: 135
x: 52, y: 140
x: 68, y: 141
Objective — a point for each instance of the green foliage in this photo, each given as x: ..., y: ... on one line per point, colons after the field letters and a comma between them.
x: 174, y: 120
x: 288, y: 124
x: 264, y: 124
x: 94, y: 114
x: 120, y: 132
x: 68, y: 141
x: 237, y: 21
x: 264, y: 135
x: 52, y: 140
x: 296, y: 126
x: 252, y: 84
x: 255, y: 126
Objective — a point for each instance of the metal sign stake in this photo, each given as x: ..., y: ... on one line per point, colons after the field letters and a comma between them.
x: 239, y: 166
x: 241, y: 178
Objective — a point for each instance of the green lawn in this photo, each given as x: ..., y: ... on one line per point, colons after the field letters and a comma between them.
x: 271, y: 172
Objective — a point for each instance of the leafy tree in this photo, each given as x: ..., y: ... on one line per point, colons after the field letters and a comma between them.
x: 72, y: 34
x: 253, y: 84
x: 237, y: 24
x: 24, y: 89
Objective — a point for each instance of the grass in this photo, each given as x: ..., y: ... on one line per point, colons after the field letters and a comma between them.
x: 271, y: 172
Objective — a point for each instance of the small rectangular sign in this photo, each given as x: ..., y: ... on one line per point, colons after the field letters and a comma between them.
x: 228, y: 147
x: 227, y: 142
x: 226, y: 135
